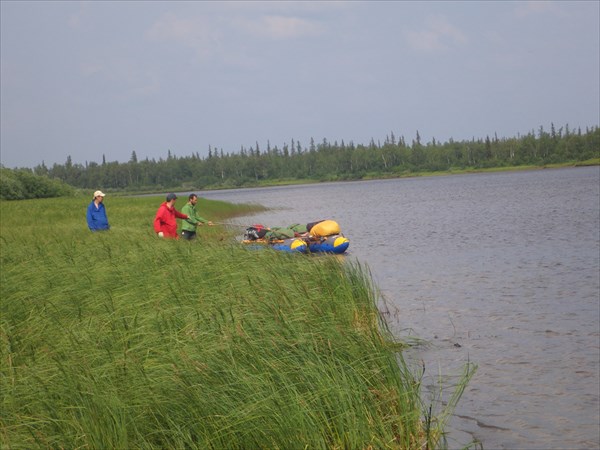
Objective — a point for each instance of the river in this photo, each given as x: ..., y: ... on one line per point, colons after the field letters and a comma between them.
x: 500, y: 269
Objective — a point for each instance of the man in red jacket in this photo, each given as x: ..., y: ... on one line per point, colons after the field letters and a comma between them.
x: 165, y: 224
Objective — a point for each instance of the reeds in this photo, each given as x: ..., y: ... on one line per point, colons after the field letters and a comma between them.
x: 122, y: 340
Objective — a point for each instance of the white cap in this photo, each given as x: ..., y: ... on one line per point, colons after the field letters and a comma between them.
x: 99, y: 194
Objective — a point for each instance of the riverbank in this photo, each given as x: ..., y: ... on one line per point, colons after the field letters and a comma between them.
x: 368, y: 176
x: 505, y: 265
x: 468, y: 170
x: 122, y: 340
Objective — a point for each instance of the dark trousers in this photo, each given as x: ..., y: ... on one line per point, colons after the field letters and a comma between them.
x: 188, y: 235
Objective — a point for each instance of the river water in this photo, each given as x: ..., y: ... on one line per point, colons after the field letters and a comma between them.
x: 500, y: 269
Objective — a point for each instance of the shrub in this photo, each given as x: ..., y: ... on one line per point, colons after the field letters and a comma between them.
x: 21, y: 184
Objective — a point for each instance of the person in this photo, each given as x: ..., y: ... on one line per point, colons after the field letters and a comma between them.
x: 96, y: 213
x: 188, y: 227
x: 165, y: 224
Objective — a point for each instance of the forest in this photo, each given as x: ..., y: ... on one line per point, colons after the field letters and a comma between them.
x: 326, y: 161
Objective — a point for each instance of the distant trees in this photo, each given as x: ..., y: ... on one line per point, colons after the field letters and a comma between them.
x: 23, y: 184
x: 328, y: 161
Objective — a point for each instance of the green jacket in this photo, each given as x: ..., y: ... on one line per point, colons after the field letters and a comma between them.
x: 189, y: 224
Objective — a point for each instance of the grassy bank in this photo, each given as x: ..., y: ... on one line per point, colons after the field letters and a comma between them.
x: 121, y: 340
x: 403, y: 174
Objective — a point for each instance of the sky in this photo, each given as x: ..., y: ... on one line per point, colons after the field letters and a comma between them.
x: 104, y: 79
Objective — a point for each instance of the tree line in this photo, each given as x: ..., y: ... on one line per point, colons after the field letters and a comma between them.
x: 326, y: 161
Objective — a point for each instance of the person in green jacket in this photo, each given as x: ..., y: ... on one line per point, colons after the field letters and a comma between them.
x: 188, y: 228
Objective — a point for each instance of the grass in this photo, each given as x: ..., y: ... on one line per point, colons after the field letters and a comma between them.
x: 413, y: 174
x: 122, y: 340
x: 468, y: 170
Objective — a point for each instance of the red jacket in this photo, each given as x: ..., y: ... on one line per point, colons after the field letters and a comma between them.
x: 165, y: 220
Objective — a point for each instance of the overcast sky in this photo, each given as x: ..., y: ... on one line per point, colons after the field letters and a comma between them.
x: 96, y: 78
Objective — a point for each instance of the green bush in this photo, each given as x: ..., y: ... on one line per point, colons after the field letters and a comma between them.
x: 22, y: 184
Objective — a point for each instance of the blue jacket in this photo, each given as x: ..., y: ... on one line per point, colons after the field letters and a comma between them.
x: 96, y: 217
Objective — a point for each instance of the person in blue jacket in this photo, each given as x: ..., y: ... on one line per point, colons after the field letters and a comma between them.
x: 96, y: 213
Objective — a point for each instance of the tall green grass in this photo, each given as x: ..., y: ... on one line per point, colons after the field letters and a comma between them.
x: 122, y: 340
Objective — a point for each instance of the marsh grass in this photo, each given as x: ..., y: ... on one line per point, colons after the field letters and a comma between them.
x: 121, y: 340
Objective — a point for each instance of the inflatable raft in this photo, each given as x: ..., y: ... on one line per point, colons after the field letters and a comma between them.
x: 292, y: 245
x: 337, y: 244
x: 323, y: 236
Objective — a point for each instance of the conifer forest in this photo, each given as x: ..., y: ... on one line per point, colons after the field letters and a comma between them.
x: 326, y: 161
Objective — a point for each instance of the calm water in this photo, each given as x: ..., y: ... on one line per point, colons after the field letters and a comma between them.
x: 501, y: 269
